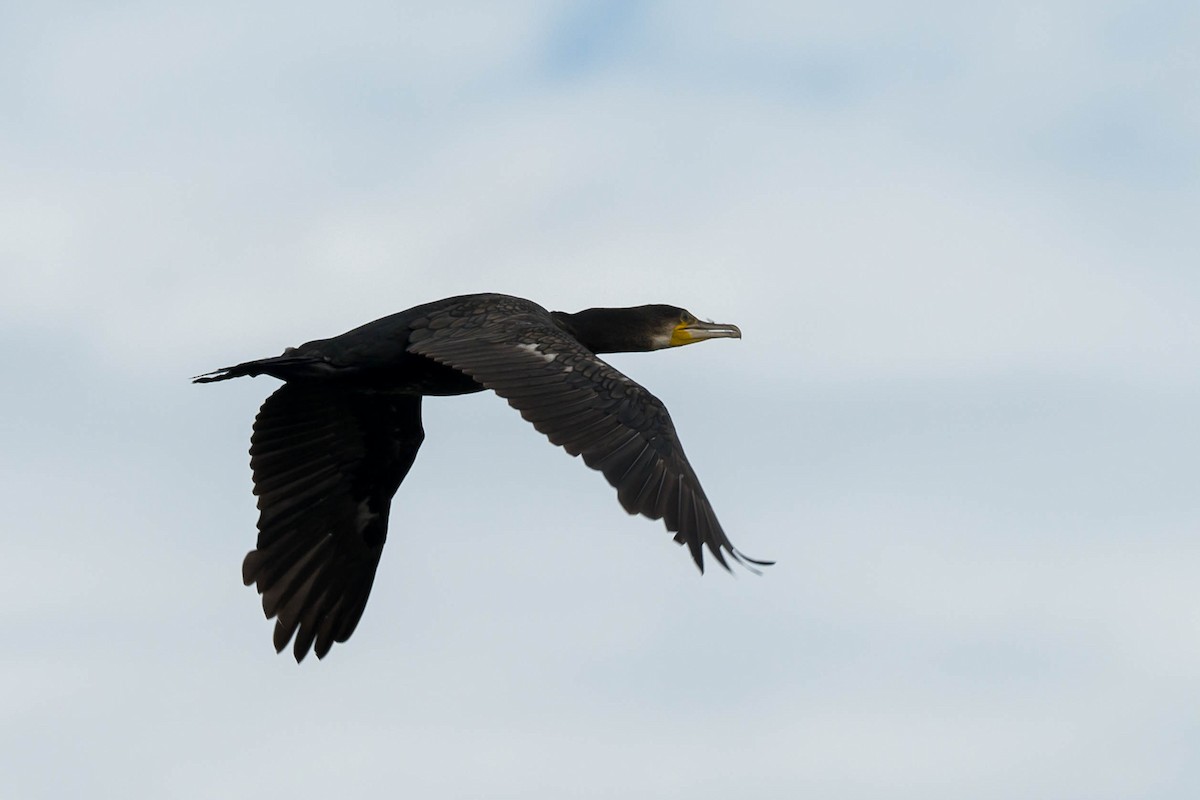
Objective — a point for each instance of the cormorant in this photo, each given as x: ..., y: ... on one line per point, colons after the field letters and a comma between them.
x: 331, y: 446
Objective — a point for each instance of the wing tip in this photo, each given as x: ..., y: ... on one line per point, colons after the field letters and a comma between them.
x: 748, y: 563
x: 718, y: 552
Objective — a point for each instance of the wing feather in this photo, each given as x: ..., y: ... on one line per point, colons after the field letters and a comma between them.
x: 587, y: 407
x: 326, y: 463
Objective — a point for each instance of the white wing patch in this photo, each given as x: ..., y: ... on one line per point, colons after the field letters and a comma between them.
x: 533, y: 348
x: 365, y: 516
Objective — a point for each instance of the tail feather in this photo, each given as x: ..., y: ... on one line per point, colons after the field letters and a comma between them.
x: 282, y: 367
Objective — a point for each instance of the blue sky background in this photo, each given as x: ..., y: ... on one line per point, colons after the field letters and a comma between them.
x: 961, y: 242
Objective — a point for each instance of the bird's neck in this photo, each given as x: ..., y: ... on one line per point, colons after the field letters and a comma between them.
x: 600, y: 330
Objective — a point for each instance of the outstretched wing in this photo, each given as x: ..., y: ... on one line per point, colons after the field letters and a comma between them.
x: 326, y: 463
x: 585, y: 406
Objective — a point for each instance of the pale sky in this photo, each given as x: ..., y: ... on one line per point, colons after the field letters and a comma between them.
x: 962, y: 245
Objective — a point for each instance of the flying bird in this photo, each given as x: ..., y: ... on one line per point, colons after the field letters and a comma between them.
x: 331, y: 446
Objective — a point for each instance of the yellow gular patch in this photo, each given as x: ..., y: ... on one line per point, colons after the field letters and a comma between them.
x: 681, y: 335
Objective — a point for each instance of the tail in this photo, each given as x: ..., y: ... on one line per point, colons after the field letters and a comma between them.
x: 283, y: 367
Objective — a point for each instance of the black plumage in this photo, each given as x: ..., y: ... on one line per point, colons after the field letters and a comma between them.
x: 332, y: 445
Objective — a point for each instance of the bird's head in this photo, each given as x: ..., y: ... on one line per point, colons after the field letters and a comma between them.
x: 678, y: 326
x: 641, y: 328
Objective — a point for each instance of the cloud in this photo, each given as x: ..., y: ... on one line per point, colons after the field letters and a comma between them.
x: 957, y: 241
